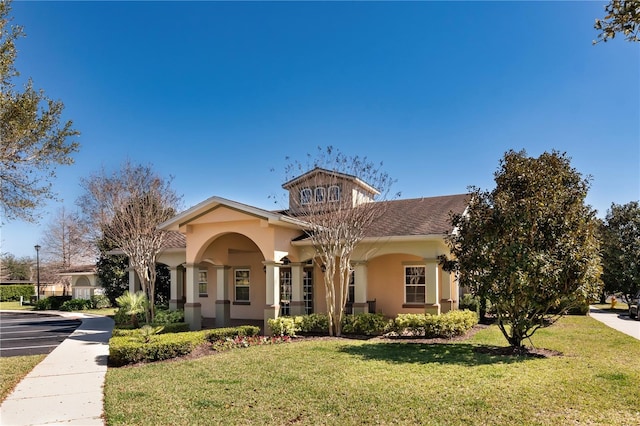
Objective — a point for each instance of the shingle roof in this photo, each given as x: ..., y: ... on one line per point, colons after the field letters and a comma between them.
x: 174, y: 239
x: 418, y: 216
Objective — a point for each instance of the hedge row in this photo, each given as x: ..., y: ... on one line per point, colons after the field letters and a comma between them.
x: 453, y: 323
x: 14, y: 291
x: 131, y: 346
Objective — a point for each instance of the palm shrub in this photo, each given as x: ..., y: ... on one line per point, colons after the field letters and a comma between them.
x: 133, y: 304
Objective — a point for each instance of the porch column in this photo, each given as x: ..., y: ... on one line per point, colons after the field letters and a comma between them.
x: 297, y: 291
x: 432, y: 305
x: 134, y: 281
x: 223, y: 302
x: 360, y: 305
x: 192, y: 309
x: 272, y: 309
x: 447, y: 301
x: 173, y: 288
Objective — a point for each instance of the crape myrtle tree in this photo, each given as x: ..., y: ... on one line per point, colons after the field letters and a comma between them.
x: 126, y: 207
x: 621, y: 249
x: 112, y: 270
x: 335, y: 228
x: 530, y: 245
x: 621, y: 17
x: 33, y: 139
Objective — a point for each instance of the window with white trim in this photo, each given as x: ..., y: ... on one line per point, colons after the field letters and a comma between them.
x: 321, y: 193
x: 241, y: 284
x: 202, y: 282
x: 334, y: 193
x: 351, y: 293
x: 415, y: 287
x: 305, y: 196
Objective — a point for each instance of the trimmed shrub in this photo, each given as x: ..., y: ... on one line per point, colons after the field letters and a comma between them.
x: 43, y: 304
x: 125, y: 350
x: 314, y: 324
x: 368, y: 324
x: 469, y: 302
x: 453, y: 323
x: 174, y: 327
x: 284, y: 326
x: 14, y: 291
x: 100, y: 301
x: 165, y: 316
x: 231, y: 332
x: 75, y: 305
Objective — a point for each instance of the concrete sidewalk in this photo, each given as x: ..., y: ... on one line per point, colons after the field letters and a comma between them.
x: 67, y: 386
x: 617, y: 321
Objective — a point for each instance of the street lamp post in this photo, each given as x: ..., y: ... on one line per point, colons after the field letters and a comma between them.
x: 37, y: 247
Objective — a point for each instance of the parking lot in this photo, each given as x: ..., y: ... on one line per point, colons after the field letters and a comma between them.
x: 32, y: 334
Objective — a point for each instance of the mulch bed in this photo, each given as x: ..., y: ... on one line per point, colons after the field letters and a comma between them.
x: 207, y: 349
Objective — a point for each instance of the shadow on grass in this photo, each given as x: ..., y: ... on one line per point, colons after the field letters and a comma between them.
x: 440, y: 353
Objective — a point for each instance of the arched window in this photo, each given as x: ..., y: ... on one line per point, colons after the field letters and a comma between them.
x: 305, y: 196
x: 334, y: 193
x: 320, y: 194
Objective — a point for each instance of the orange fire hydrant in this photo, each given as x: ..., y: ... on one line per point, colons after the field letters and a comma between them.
x: 613, y: 302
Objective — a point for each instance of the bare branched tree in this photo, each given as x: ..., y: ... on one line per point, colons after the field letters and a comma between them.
x: 65, y: 242
x: 339, y: 197
x: 125, y: 208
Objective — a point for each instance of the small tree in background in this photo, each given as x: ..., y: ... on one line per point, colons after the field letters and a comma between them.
x: 65, y: 243
x: 127, y: 207
x: 335, y: 225
x: 15, y: 268
x: 112, y: 271
x: 529, y: 246
x: 621, y: 249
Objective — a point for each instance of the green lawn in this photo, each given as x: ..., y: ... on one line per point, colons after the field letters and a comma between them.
x: 365, y: 382
x: 13, y: 369
x: 15, y: 306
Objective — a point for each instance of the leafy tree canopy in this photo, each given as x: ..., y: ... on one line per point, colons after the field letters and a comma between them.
x: 621, y: 249
x: 529, y: 246
x: 33, y: 138
x: 623, y: 17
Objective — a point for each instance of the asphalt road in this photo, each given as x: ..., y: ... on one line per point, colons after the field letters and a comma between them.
x: 32, y: 334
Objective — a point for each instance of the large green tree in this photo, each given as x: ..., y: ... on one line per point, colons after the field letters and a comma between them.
x: 33, y: 138
x: 621, y: 17
x: 529, y: 246
x: 621, y: 249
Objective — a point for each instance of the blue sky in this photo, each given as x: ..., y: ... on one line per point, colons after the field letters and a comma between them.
x: 218, y: 94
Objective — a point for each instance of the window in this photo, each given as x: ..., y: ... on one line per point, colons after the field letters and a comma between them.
x: 285, y: 291
x: 305, y: 196
x: 320, y: 194
x: 414, y: 284
x: 242, y: 285
x: 307, y: 290
x: 334, y: 193
x: 351, y: 295
x: 202, y: 283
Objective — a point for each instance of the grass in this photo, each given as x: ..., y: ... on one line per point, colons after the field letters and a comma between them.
x: 15, y: 305
x: 13, y: 369
x: 620, y: 307
x: 346, y: 382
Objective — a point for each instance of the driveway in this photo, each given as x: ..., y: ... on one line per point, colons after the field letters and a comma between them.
x: 33, y: 333
x: 618, y: 321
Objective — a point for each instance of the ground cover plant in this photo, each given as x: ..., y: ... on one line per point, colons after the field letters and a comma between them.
x: 325, y: 380
x: 13, y: 369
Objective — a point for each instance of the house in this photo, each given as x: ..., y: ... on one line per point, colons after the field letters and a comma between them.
x: 230, y: 260
x: 84, y: 281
